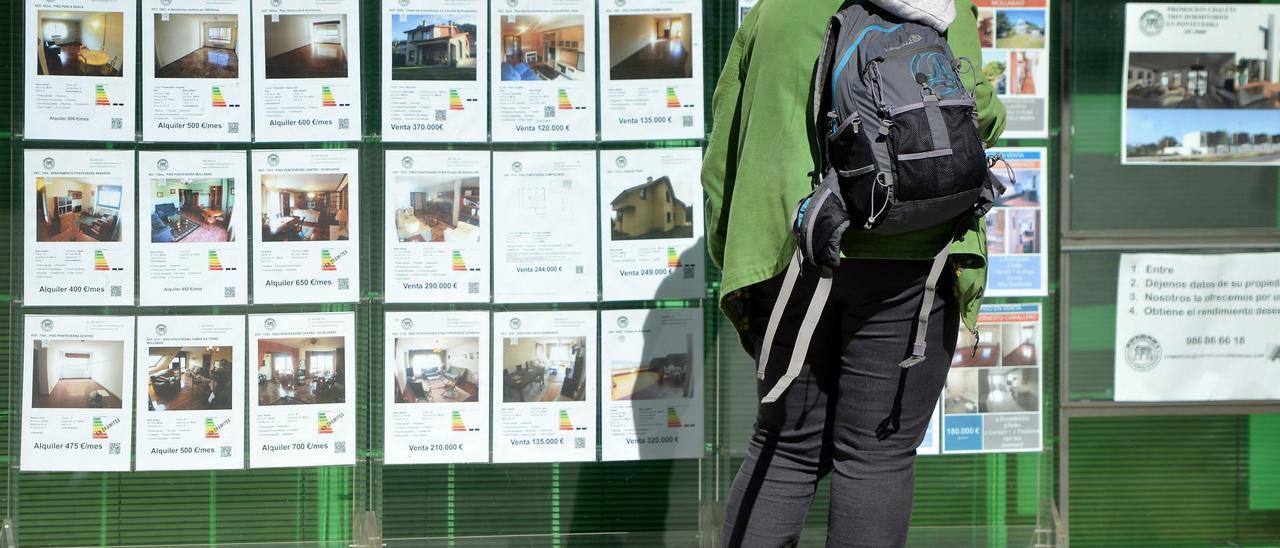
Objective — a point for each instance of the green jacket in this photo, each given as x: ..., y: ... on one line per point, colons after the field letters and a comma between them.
x: 759, y: 154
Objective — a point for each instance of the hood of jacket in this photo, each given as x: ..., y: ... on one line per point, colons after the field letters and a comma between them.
x: 935, y: 13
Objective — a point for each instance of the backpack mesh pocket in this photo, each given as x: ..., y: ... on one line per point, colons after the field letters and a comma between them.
x: 925, y: 171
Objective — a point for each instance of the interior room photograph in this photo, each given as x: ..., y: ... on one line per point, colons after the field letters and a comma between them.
x: 192, y: 210
x: 305, y: 46
x: 997, y: 231
x: 1009, y: 390
x: 1205, y: 80
x: 667, y: 376
x: 544, y: 369
x: 80, y: 43
x: 981, y: 352
x: 436, y: 370
x: 71, y: 209
x: 1019, y: 341
x: 437, y: 209
x: 301, y: 208
x: 543, y: 47
x: 651, y: 210
x: 1023, y: 190
x: 196, y: 46
x: 650, y: 46
x: 433, y: 47
x: 77, y: 374
x: 188, y: 378
x: 960, y: 395
x: 301, y: 371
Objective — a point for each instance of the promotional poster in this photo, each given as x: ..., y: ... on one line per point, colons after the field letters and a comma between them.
x: 193, y: 242
x: 543, y: 70
x: 994, y: 396
x: 651, y: 70
x: 190, y: 387
x: 302, y: 405
x: 437, y: 226
x: 306, y: 226
x: 1017, y: 259
x: 434, y: 77
x: 544, y: 367
x: 436, y: 387
x: 1014, y: 35
x: 77, y: 393
x: 196, y: 80
x: 78, y: 227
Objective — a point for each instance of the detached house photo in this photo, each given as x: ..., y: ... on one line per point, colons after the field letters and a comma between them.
x: 651, y: 211
x: 428, y: 47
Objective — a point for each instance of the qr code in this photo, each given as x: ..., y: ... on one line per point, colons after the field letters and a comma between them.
x: 688, y: 121
x: 473, y: 288
x: 117, y: 291
x: 688, y: 272
x: 229, y: 292
x: 579, y: 443
x: 344, y: 284
x: 339, y: 447
x: 117, y: 123
x: 113, y: 448
x: 344, y: 123
x: 225, y: 451
x: 441, y: 114
x: 549, y: 111
x: 577, y: 269
x: 233, y: 127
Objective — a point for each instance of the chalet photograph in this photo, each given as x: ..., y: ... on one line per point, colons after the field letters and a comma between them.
x: 437, y: 209
x: 196, y: 46
x: 436, y: 370
x: 543, y: 47
x: 431, y: 47
x: 649, y: 46
x: 80, y: 43
x: 305, y: 46
x: 655, y: 377
x: 188, y: 378
x: 192, y: 210
x: 651, y: 211
x: 544, y: 369
x: 301, y: 371
x: 300, y: 208
x: 78, y: 209
x: 70, y: 374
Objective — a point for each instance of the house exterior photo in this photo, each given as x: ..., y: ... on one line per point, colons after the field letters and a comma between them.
x: 651, y: 210
x: 438, y: 45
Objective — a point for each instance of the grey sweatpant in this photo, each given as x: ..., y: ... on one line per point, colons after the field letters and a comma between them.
x: 852, y: 410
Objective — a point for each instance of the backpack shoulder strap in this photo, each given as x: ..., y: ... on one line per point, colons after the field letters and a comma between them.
x: 822, y: 124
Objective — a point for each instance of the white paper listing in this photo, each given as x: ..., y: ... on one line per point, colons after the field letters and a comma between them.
x: 544, y: 226
x: 1198, y: 327
x: 190, y: 386
x: 434, y: 82
x: 651, y: 222
x: 195, y: 70
x: 651, y: 384
x: 77, y: 391
x: 437, y: 226
x: 544, y: 367
x: 79, y: 69
x: 436, y: 390
x: 543, y: 70
x: 302, y: 397
x: 78, y: 222
x: 306, y: 70
x: 306, y: 226
x: 651, y: 70
x: 192, y: 207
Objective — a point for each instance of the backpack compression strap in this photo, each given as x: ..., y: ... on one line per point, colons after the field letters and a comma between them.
x: 926, y: 308
x: 807, y: 326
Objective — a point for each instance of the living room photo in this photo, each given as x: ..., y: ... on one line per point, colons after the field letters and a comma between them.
x: 437, y: 209
x: 305, y: 46
x: 433, y: 47
x: 543, y: 47
x: 188, y: 378
x: 656, y: 377
x: 80, y: 43
x: 436, y: 370
x: 192, y: 210
x: 196, y: 46
x: 299, y: 371
x: 78, y: 209
x: 305, y: 207
x: 650, y: 46
x: 544, y: 369
x: 69, y: 374
x: 651, y: 210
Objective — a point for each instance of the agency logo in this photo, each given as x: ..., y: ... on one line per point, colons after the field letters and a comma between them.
x: 1142, y: 352
x: 162, y: 165
x: 514, y: 324
x: 406, y: 324
x: 46, y: 325
x: 620, y: 161
x: 513, y: 3
x: 517, y: 167
x: 166, y: 2
x: 406, y: 162
x: 269, y: 324
x: 620, y: 3
x: 273, y: 160
x: 623, y: 322
x: 276, y: 3
x: 161, y: 329
x: 404, y: 3
x: 47, y: 163
x: 1151, y: 23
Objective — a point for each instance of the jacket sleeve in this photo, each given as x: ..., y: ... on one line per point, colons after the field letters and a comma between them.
x: 719, y: 162
x: 962, y: 36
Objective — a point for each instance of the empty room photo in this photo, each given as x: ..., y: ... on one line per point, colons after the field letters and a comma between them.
x: 305, y: 46
x: 657, y: 377
x: 984, y: 351
x: 433, y: 47
x: 650, y: 46
x: 72, y: 209
x: 301, y: 371
x: 543, y: 47
x: 191, y: 210
x: 651, y: 210
x: 1019, y: 342
x: 305, y: 207
x: 544, y: 369
x: 437, y: 209
x: 185, y: 378
x: 1009, y: 390
x: 196, y: 46
x: 80, y: 43
x: 437, y: 370
x: 77, y: 374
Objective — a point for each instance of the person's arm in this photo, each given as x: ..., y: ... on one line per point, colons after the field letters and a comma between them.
x: 719, y: 163
x: 962, y: 36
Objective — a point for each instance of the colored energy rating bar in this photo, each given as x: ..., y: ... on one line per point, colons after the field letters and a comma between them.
x: 458, y: 264
x: 564, y: 100
x: 210, y: 430
x: 326, y: 261
x: 673, y: 260
x: 673, y: 419
x: 100, y: 94
x: 564, y: 420
x: 214, y: 262
x: 455, y: 102
x: 672, y: 100
x: 323, y: 423
x: 457, y: 425
x: 100, y: 261
x: 218, y: 101
x: 99, y: 431
x: 328, y: 99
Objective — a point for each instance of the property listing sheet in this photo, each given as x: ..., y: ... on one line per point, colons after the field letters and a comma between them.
x: 544, y: 367
x: 434, y: 82
x: 994, y: 394
x: 1198, y: 327
x: 543, y: 70
x: 651, y: 223
x: 744, y: 7
x: 190, y: 387
x: 651, y: 384
x: 1017, y: 260
x: 651, y: 70
x: 77, y: 392
x: 78, y: 227
x: 1014, y: 35
x: 302, y: 399
x: 193, y: 240
x: 306, y: 70
x: 931, y: 443
x: 196, y: 82
x: 306, y: 226
x: 1202, y: 84
x: 437, y: 226
x: 544, y: 226
x: 79, y: 67
x: 437, y: 387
